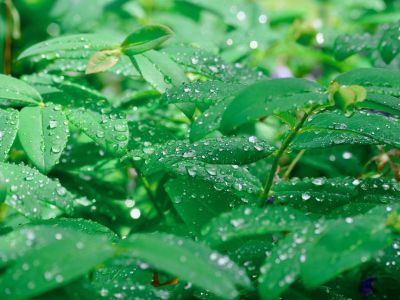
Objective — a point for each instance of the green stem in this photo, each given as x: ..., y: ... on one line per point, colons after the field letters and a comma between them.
x: 281, y: 151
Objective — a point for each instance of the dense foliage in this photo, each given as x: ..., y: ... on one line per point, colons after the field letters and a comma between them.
x: 240, y: 150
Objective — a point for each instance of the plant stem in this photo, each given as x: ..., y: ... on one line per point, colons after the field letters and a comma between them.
x: 282, y: 149
x: 293, y: 164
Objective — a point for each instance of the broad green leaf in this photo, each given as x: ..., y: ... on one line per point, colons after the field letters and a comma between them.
x: 201, y: 93
x: 197, y: 201
x: 205, y: 64
x: 344, y: 245
x: 190, y: 261
x: 125, y: 277
x: 223, y: 150
x: 228, y: 178
x: 35, y: 195
x: 159, y: 70
x: 267, y: 97
x: 65, y: 258
x: 251, y: 221
x: 208, y: 121
x: 17, y: 243
x: 282, y: 266
x: 389, y: 45
x: 332, y: 128
x: 9, y: 121
x: 59, y: 90
x: 347, y: 45
x: 103, y: 60
x: 69, y: 46
x: 15, y: 92
x: 145, y: 38
x: 110, y: 131
x: 43, y: 133
x: 322, y: 195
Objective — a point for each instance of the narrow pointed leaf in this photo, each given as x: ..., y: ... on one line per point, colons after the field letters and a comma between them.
x: 9, y: 121
x: 145, y: 38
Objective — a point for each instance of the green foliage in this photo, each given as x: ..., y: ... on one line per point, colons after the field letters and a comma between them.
x: 202, y: 149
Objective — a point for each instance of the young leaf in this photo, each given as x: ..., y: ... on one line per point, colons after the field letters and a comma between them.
x: 268, y: 97
x: 190, y: 261
x: 334, y: 128
x: 251, y: 221
x: 64, y: 257
x: 375, y: 80
x: 145, y: 38
x: 15, y: 92
x: 35, y: 195
x: 43, y: 133
x: 9, y: 120
x: 110, y: 131
x: 103, y: 60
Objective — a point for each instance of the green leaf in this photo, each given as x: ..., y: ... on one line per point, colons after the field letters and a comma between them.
x: 389, y: 45
x: 251, y: 221
x: 15, y: 92
x: 9, y: 120
x: 59, y: 90
x: 375, y: 80
x: 145, y: 38
x: 347, y: 45
x: 271, y: 96
x: 208, y: 121
x: 64, y: 256
x: 190, y: 261
x: 103, y: 60
x: 201, y: 93
x: 69, y: 46
x: 322, y: 195
x: 198, y: 201
x: 160, y: 71
x: 222, y: 150
x: 110, y: 131
x: 282, y: 266
x: 334, y: 128
x: 43, y: 133
x: 344, y: 245
x: 229, y: 178
x: 35, y: 195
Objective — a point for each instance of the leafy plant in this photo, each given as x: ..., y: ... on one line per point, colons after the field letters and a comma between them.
x: 234, y: 152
